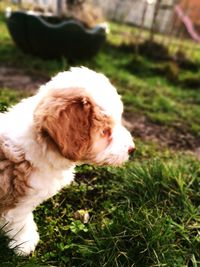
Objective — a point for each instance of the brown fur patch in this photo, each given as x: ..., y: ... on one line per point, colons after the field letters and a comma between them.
x: 66, y: 120
x: 14, y: 173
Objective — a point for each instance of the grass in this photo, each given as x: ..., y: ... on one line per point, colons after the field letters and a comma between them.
x: 143, y: 214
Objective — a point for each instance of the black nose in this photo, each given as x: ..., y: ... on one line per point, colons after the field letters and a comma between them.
x: 131, y: 150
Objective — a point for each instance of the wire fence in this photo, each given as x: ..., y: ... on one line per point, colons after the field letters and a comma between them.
x: 173, y: 23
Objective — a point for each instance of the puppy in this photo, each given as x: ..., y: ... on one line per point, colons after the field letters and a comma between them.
x: 73, y: 119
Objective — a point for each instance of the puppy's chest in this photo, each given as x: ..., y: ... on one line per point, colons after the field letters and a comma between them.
x: 44, y: 184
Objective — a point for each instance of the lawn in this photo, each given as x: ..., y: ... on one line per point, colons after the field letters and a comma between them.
x: 146, y: 213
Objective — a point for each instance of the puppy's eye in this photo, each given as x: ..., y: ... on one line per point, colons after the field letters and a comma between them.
x: 107, y: 132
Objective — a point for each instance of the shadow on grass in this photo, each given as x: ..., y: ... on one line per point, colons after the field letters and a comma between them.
x: 9, y: 259
x: 150, y: 60
x: 7, y: 256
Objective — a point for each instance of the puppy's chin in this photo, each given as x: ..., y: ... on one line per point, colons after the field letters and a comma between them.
x: 108, y: 157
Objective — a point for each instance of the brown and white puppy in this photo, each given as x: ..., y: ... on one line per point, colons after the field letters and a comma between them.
x: 73, y: 119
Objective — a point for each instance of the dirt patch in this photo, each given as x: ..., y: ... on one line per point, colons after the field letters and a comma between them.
x: 19, y: 80
x: 175, y: 137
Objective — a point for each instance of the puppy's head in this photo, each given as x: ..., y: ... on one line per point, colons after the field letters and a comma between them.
x: 79, y: 116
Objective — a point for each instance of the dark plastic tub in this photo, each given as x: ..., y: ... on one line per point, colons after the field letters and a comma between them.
x: 33, y: 34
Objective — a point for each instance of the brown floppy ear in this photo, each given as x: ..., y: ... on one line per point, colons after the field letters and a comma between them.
x: 63, y: 120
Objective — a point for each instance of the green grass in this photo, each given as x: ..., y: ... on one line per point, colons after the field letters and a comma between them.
x: 142, y: 218
x: 9, y: 97
x: 143, y: 214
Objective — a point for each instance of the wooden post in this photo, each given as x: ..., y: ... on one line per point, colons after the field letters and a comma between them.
x: 154, y: 21
x: 141, y: 27
x: 59, y: 8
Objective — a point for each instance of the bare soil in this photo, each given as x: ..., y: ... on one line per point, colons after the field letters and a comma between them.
x: 19, y: 80
x: 176, y: 137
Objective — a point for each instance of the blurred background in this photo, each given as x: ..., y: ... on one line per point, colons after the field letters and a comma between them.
x: 177, y: 21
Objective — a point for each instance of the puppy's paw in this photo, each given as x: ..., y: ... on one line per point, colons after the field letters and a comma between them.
x: 25, y: 244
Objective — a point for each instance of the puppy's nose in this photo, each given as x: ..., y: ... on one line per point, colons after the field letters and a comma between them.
x: 131, y: 150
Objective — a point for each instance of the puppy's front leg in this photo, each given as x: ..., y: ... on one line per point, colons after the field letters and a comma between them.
x: 23, y: 232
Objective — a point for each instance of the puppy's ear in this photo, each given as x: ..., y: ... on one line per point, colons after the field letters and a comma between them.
x: 63, y: 121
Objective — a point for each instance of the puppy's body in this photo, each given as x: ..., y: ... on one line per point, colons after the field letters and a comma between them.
x: 73, y: 119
